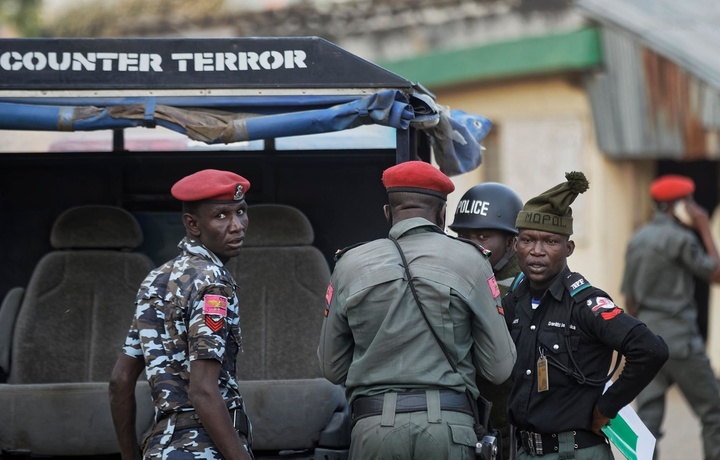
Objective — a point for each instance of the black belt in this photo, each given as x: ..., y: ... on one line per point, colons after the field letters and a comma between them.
x: 412, y: 401
x: 190, y: 419
x: 541, y: 443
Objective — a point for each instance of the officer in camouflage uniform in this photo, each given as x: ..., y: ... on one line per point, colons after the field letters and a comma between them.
x: 186, y: 334
x: 409, y: 400
x: 486, y: 215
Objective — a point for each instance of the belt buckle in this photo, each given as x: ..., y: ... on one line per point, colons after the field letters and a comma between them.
x: 538, y: 443
x: 532, y: 442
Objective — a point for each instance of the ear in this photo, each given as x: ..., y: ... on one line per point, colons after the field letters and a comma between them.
x: 570, y: 246
x: 191, y: 224
x: 510, y: 242
x: 441, y: 216
x: 388, y: 214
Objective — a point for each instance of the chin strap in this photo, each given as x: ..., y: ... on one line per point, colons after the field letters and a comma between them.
x: 502, y: 262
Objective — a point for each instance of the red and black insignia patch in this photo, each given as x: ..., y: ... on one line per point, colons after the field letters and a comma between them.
x: 604, y: 307
x: 214, y: 324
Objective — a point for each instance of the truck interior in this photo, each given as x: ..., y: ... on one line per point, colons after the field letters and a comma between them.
x: 312, y: 127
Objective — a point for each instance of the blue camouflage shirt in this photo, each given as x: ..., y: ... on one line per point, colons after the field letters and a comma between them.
x: 187, y: 309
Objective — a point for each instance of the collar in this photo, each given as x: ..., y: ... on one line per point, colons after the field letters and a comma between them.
x: 196, y: 248
x: 557, y: 287
x: 409, y: 225
x: 661, y: 217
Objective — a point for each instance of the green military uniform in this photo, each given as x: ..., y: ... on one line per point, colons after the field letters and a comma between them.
x: 375, y: 340
x: 498, y: 394
x: 662, y: 260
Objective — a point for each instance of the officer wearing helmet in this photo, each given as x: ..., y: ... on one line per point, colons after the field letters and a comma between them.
x: 486, y: 215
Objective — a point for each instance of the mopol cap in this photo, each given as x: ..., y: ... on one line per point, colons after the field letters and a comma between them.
x: 550, y: 211
x: 417, y: 177
x: 211, y: 185
x: 671, y: 187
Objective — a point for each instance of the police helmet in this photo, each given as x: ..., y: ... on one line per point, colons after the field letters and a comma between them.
x: 488, y: 205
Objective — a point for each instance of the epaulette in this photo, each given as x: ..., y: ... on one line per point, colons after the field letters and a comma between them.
x: 577, y: 286
x: 601, y: 305
x: 340, y: 252
x: 483, y: 251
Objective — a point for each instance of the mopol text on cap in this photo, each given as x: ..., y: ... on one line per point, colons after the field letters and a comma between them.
x: 671, y: 187
x: 417, y: 177
x: 550, y: 211
x: 211, y: 185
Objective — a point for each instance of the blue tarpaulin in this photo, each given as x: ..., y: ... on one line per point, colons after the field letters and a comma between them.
x: 454, y: 135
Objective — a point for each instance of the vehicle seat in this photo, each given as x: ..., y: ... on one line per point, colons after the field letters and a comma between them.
x: 71, y: 323
x: 282, y: 281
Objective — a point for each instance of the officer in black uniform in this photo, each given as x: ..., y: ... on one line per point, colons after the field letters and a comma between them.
x: 565, y: 331
x: 486, y: 214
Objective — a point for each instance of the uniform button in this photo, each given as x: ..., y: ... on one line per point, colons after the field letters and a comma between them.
x: 528, y: 372
x: 532, y: 328
x: 556, y: 347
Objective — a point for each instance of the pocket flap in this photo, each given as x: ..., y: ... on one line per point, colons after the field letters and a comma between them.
x: 463, y: 435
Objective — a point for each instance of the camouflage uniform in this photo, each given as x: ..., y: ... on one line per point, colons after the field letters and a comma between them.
x: 171, y: 329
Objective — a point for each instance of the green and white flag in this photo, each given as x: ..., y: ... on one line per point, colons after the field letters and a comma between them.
x: 629, y: 435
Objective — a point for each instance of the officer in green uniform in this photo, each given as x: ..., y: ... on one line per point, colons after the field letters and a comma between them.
x: 661, y: 263
x: 409, y: 400
x: 566, y: 332
x: 486, y: 215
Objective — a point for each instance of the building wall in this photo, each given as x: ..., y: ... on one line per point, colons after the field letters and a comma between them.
x: 542, y: 129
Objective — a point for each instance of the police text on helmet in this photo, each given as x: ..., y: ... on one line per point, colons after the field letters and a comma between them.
x: 473, y: 207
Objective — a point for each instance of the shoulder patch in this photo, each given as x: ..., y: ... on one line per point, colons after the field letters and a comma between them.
x: 494, y: 288
x: 328, y: 298
x: 576, y: 283
x: 340, y: 252
x: 215, y: 311
x: 215, y: 305
x: 604, y: 307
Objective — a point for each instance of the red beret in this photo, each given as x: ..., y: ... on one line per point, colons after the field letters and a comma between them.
x: 417, y: 177
x: 671, y: 187
x: 211, y: 184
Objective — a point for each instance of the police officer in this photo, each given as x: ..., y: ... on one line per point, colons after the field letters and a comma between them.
x: 661, y: 263
x: 486, y: 215
x: 186, y: 334
x: 565, y: 331
x: 409, y: 400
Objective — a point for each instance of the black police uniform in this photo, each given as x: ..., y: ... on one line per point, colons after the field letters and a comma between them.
x: 576, y: 327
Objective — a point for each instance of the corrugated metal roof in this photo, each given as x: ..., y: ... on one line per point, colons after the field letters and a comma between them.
x: 687, y: 32
x: 658, y: 95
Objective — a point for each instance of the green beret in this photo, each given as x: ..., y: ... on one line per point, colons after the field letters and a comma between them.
x: 550, y: 211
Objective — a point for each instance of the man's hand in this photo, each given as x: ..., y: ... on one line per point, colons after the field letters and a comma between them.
x: 697, y: 213
x: 599, y: 421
